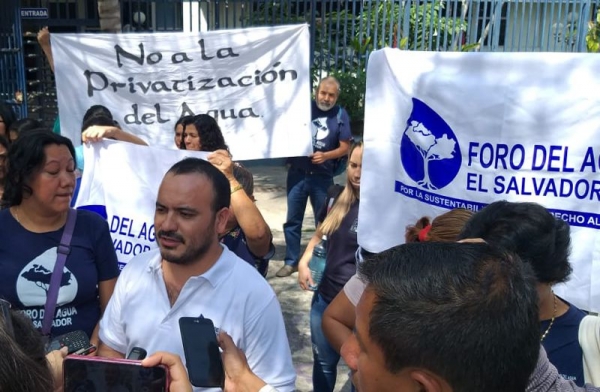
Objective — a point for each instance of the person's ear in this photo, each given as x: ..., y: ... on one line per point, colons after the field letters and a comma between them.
x: 429, y: 382
x: 221, y: 219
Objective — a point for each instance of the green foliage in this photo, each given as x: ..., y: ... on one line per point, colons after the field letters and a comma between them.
x: 592, y: 39
x: 383, y: 26
x: 427, y: 25
x: 379, y: 25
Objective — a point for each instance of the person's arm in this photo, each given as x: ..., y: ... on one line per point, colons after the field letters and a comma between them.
x: 338, y: 320
x: 108, y: 352
x: 304, y: 276
x: 43, y: 38
x: 98, y: 132
x: 105, y: 291
x: 320, y: 156
x: 111, y: 329
x: 257, y: 231
x: 545, y: 378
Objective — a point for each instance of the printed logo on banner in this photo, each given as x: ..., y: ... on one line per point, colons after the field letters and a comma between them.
x: 429, y: 149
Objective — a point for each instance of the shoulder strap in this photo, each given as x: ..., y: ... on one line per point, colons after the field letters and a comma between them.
x: 64, y: 248
x: 339, y: 115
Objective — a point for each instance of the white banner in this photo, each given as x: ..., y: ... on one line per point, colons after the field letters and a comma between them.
x: 449, y: 130
x: 120, y: 182
x: 255, y: 82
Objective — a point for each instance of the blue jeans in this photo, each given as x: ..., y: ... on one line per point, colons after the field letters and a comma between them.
x: 325, y: 358
x: 300, y: 187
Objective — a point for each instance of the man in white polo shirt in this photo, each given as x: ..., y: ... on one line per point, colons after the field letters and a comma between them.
x: 193, y: 275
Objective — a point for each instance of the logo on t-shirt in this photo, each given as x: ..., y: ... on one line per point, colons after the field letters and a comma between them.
x: 34, y: 281
x: 320, y: 132
x: 354, y: 227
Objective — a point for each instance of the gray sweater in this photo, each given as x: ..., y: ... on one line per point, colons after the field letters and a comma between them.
x: 545, y: 378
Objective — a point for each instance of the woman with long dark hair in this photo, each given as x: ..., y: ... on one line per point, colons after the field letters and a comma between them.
x: 203, y: 134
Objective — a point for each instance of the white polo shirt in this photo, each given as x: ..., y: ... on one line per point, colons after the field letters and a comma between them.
x: 232, y: 294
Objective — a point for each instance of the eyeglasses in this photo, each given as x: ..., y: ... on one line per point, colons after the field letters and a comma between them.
x: 6, y: 317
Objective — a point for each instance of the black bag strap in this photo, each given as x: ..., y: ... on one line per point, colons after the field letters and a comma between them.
x: 64, y: 248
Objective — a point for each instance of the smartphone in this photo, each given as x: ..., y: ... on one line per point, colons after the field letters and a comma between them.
x: 202, y: 355
x: 86, y: 351
x: 74, y: 341
x: 109, y: 374
x: 137, y: 353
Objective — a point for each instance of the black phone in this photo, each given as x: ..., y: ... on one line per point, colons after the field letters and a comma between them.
x: 74, y: 341
x: 110, y: 374
x: 137, y: 353
x: 201, y: 349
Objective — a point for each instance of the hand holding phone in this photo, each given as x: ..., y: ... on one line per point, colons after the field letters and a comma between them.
x: 55, y: 363
x: 239, y: 374
x: 202, y: 355
x: 178, y: 376
x: 74, y: 341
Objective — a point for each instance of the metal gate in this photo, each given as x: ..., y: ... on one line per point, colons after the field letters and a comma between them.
x: 12, y: 71
x: 343, y: 32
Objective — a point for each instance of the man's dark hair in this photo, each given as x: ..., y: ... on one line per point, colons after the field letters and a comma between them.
x: 211, y: 137
x: 25, y: 157
x: 466, y: 312
x: 221, y: 189
x: 530, y: 231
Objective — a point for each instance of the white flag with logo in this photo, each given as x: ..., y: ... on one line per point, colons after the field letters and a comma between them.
x: 462, y: 130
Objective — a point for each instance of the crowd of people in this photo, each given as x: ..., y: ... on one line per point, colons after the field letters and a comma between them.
x: 465, y: 304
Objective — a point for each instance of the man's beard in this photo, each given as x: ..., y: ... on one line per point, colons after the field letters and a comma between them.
x: 191, y: 254
x: 324, y: 107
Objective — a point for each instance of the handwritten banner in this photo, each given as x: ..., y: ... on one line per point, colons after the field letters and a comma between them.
x: 461, y: 130
x: 255, y: 82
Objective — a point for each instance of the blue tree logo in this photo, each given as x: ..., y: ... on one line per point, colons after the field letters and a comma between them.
x: 429, y: 150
